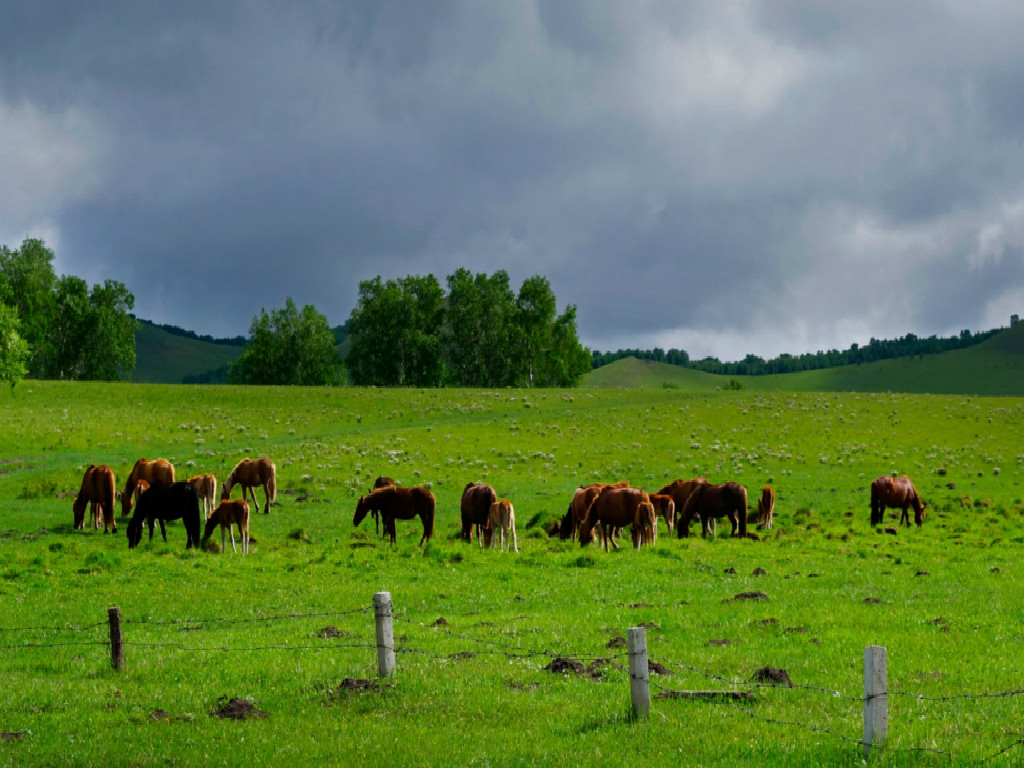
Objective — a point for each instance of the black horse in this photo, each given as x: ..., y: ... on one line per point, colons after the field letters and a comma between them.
x: 167, y: 502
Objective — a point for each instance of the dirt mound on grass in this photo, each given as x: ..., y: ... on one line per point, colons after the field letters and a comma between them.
x: 560, y: 664
x: 772, y: 676
x: 236, y: 709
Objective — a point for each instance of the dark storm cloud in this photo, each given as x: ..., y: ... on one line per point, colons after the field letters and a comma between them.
x: 723, y: 177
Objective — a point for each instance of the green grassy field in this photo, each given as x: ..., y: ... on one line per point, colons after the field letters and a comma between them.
x: 202, y: 627
x: 994, y: 367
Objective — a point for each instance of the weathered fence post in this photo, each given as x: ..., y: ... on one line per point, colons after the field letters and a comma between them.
x: 116, y: 641
x: 639, y: 685
x: 385, y: 634
x: 876, y: 705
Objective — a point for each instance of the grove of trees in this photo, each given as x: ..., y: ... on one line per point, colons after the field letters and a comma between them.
x: 478, y: 333
x: 60, y: 328
x: 287, y: 346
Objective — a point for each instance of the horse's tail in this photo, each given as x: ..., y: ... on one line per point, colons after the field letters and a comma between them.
x: 427, y: 514
x: 272, y: 483
x: 742, y: 504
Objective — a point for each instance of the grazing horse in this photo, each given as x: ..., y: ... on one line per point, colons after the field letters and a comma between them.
x: 398, y: 504
x: 477, y: 499
x: 895, y: 492
x: 234, y: 512
x: 713, y: 501
x: 141, y: 486
x: 615, y: 508
x: 580, y: 503
x: 680, y: 490
x: 665, y: 506
x: 381, y: 482
x: 501, y: 521
x: 766, y: 508
x: 249, y: 473
x: 167, y: 502
x: 206, y: 485
x: 98, y: 492
x: 154, y: 471
x: 645, y: 525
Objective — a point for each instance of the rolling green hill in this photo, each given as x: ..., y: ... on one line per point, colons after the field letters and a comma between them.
x: 994, y: 367
x: 165, y: 358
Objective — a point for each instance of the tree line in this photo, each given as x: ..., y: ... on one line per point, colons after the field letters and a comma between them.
x: 412, y: 332
x: 59, y: 327
x: 752, y: 365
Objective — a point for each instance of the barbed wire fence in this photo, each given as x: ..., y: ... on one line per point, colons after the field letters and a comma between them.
x: 735, y: 695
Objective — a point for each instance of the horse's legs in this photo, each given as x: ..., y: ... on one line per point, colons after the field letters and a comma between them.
x: 223, y: 543
x: 163, y: 529
x: 231, y: 533
x: 515, y: 544
x: 266, y: 498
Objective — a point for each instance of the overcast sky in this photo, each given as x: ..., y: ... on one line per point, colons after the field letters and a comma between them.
x: 722, y: 177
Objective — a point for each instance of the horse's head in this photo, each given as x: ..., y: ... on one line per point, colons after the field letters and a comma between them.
x: 78, y: 510
x: 134, y: 531
x: 126, y: 504
x: 362, y: 507
x: 919, y: 513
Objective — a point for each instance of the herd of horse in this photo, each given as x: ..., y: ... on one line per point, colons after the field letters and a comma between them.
x: 607, y: 508
x: 596, y: 510
x: 157, y: 497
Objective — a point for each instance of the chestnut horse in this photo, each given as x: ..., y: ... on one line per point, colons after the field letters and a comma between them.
x: 680, y: 490
x: 766, y: 508
x: 155, y: 471
x: 98, y: 492
x: 398, y: 504
x: 206, y: 485
x: 381, y: 482
x: 250, y: 473
x: 665, y: 506
x: 228, y: 513
x: 580, y: 503
x: 475, y: 507
x: 714, y: 501
x: 616, y: 508
x: 167, y: 502
x: 897, y: 493
x: 645, y: 525
x: 501, y: 521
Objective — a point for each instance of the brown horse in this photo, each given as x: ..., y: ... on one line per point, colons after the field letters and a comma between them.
x: 645, y: 525
x: 381, y: 482
x: 152, y: 471
x: 228, y: 513
x: 766, y: 508
x: 141, y: 486
x: 665, y: 506
x: 98, y: 491
x: 681, y: 490
x: 580, y: 503
x: 250, y: 473
x: 897, y: 493
x: 615, y: 508
x: 714, y: 501
x: 398, y: 504
x: 477, y: 499
x: 206, y: 487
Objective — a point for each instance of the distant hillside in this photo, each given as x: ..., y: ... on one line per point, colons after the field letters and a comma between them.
x: 162, y: 357
x: 994, y: 367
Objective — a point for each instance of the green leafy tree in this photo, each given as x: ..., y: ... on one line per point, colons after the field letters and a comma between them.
x: 28, y: 286
x: 287, y: 346
x: 109, y: 349
x: 479, y: 331
x: 565, y: 360
x: 395, y: 332
x: 14, y: 350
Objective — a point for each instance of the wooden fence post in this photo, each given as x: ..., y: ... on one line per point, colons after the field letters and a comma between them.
x: 639, y: 684
x: 116, y: 641
x: 876, y: 705
x: 385, y: 634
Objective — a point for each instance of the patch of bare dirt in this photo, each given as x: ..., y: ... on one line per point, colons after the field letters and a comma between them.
x: 873, y: 601
x: 656, y: 668
x: 772, y: 676
x: 795, y: 629
x: 236, y: 709
x: 563, y: 665
x: 617, y: 642
x: 759, y: 572
x: 330, y: 633
x: 463, y: 655
x: 721, y: 642
x: 755, y: 595
x: 770, y: 621
x: 12, y: 736
x: 441, y: 622
x: 350, y: 684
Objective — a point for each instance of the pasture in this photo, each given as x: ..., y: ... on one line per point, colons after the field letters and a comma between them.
x: 283, y: 627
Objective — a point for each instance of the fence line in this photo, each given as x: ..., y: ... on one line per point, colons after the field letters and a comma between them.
x: 386, y: 645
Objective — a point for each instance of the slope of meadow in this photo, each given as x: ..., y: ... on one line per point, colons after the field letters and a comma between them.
x: 162, y: 357
x: 284, y: 627
x: 994, y: 367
